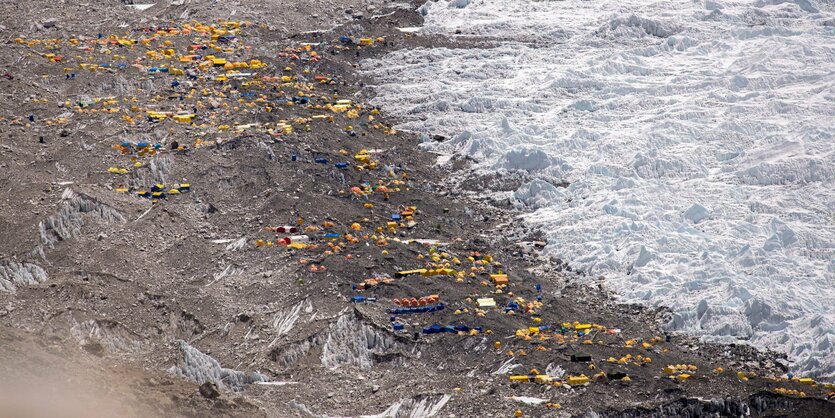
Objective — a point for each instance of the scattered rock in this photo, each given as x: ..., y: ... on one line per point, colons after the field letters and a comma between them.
x: 94, y: 348
x: 209, y: 390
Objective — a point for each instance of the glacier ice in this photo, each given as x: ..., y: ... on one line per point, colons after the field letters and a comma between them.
x: 696, y: 138
x: 14, y: 274
x: 111, y: 335
x: 66, y: 223
x: 201, y: 368
x: 285, y: 319
x: 696, y: 213
x: 536, y: 193
x: 351, y: 341
x: 421, y: 406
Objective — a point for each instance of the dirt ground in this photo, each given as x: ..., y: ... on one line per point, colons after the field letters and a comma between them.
x: 114, y: 304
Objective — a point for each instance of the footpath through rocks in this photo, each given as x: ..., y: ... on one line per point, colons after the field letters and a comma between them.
x: 204, y: 217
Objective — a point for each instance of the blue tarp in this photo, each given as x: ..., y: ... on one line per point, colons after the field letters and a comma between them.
x: 437, y: 329
x: 421, y: 309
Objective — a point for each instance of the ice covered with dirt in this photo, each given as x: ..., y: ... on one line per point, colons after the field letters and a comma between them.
x: 696, y: 138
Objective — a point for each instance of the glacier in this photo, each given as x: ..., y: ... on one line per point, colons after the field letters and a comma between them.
x: 696, y: 139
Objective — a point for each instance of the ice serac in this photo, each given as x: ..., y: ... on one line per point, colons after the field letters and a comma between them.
x: 525, y: 158
x: 804, y: 5
x: 696, y: 213
x: 647, y: 26
x: 507, y: 366
x: 14, y: 274
x: 201, y: 368
x: 66, y: 223
x: 644, y: 257
x: 351, y: 341
x: 285, y: 319
x: 782, y: 236
x: 423, y: 406
x: 695, y: 138
x: 155, y: 171
x: 420, y: 406
x: 536, y: 194
x: 348, y: 341
x: 237, y: 244
x: 110, y: 335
